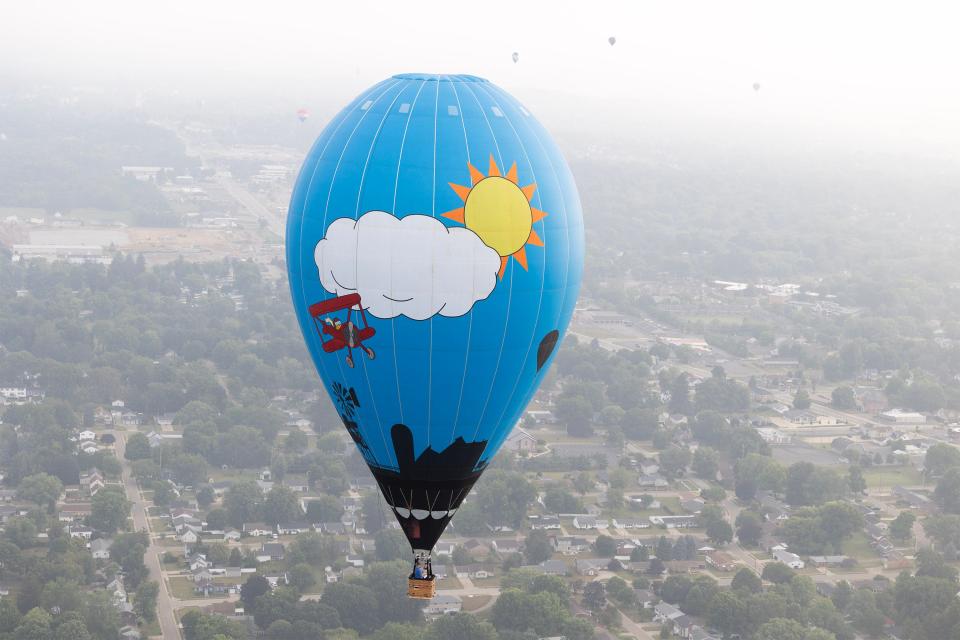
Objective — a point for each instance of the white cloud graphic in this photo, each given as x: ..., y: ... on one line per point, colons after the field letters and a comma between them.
x: 413, y: 266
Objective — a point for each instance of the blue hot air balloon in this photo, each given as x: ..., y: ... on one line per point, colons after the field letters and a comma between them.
x: 435, y: 251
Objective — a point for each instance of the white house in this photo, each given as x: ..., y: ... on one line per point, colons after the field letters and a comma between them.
x: 442, y: 605
x: 87, y: 435
x: 520, y: 441
x: 788, y: 558
x: 189, y: 536
x: 100, y: 548
x: 589, y: 522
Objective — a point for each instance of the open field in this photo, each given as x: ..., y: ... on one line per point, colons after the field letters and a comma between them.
x: 892, y: 476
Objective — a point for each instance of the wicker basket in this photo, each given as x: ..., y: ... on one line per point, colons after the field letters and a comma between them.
x: 422, y: 588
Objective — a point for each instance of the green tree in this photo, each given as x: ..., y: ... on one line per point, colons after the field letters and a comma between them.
x: 856, y: 481
x: 605, y: 546
x: 324, y: 509
x: 109, y: 509
x: 728, y: 613
x: 865, y: 614
x: 781, y: 629
x: 801, y: 400
x: 35, y: 625
x: 137, y: 447
x: 939, y: 459
x: 777, y: 572
x: 746, y: 581
x: 706, y: 463
x: 901, y: 528
x: 145, y: 600
x: 719, y: 532
x: 357, y: 605
x: 243, y: 502
x: 391, y: 545
x: 255, y: 586
x: 460, y: 626
x: 42, y: 489
x: 399, y: 631
x: 300, y: 576
x: 843, y: 398
x: 749, y: 528
x: 537, y: 547
x: 947, y: 492
x: 281, y: 505
x: 674, y: 461
x: 594, y: 596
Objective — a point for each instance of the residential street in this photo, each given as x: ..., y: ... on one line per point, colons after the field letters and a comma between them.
x: 165, y: 614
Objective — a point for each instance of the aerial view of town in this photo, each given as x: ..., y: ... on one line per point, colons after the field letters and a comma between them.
x: 750, y: 431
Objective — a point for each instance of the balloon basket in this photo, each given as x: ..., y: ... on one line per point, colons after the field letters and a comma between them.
x: 422, y: 588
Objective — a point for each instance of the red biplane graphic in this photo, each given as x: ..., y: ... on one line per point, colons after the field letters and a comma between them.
x: 339, y: 334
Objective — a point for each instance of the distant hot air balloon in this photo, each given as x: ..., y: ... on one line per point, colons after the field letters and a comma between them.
x: 515, y: 56
x: 303, y: 114
x: 612, y: 40
x: 756, y: 86
x: 435, y: 250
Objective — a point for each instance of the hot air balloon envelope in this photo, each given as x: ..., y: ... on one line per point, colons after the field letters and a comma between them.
x: 515, y: 56
x: 612, y: 40
x: 434, y: 249
x: 303, y: 114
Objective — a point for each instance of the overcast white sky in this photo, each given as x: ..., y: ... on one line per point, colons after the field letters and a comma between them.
x: 885, y: 71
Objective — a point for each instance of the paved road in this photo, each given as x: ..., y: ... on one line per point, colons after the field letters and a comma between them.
x: 256, y: 208
x: 168, y: 621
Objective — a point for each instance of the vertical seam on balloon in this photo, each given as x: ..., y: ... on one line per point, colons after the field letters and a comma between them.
x: 563, y: 206
x: 433, y: 214
x: 543, y: 279
x: 393, y: 210
x: 466, y: 353
x: 311, y: 336
x: 326, y: 206
x: 356, y: 253
x: 513, y: 271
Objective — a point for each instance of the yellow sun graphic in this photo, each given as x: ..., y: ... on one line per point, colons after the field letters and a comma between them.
x: 498, y: 210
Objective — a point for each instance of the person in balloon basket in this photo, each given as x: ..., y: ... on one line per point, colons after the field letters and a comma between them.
x: 422, y: 569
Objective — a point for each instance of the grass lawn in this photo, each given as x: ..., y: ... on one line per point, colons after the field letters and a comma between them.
x: 472, y: 603
x: 182, y: 589
x: 891, y: 476
x: 858, y: 546
x: 487, y: 582
x: 151, y: 630
x: 449, y: 582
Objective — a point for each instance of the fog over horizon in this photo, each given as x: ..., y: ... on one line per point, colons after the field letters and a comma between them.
x: 871, y: 76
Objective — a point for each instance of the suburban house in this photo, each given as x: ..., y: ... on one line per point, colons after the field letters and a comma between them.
x: 545, y: 523
x: 788, y: 558
x: 669, y: 615
x: 442, y: 605
x: 507, y: 545
x: 828, y: 561
x: 270, y: 551
x: 589, y: 522
x: 674, y: 522
x: 257, y: 529
x: 73, y: 512
x: 569, y: 545
x: 520, y: 441
x: 100, y: 548
x: 555, y: 567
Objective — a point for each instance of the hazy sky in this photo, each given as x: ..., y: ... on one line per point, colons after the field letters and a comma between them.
x: 881, y: 71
